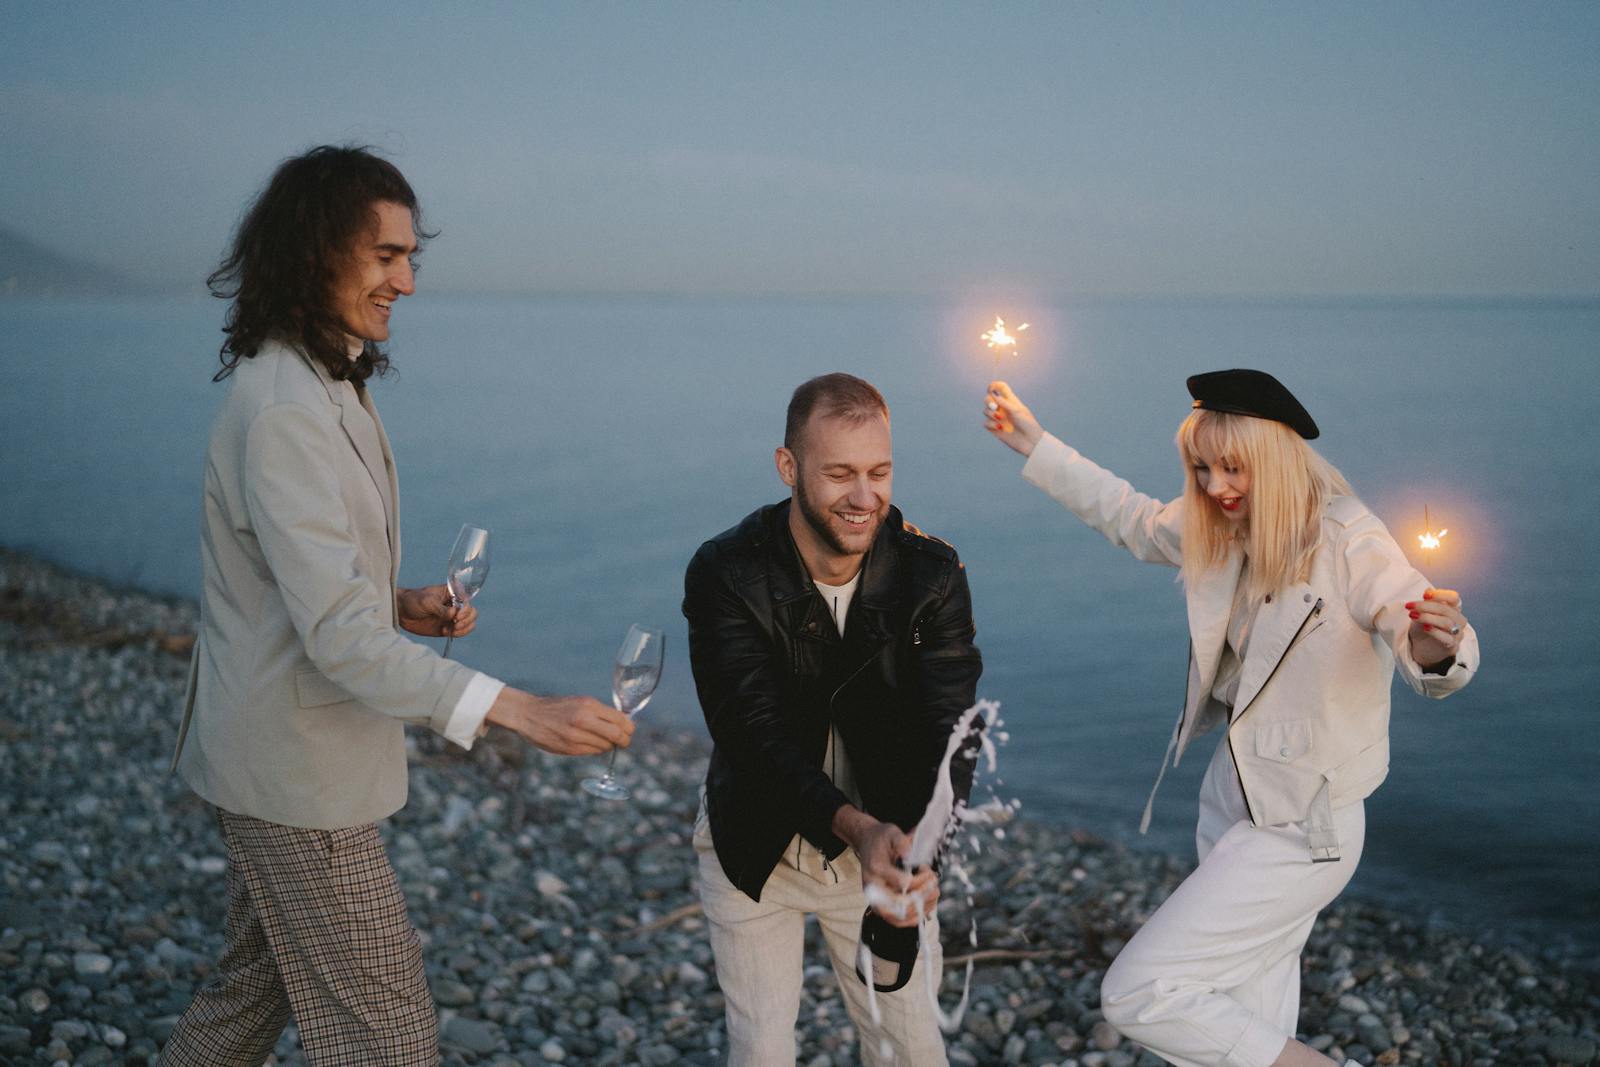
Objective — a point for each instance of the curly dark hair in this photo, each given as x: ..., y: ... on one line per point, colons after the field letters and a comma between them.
x: 289, y: 249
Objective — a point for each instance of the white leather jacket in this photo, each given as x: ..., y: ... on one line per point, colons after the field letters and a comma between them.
x: 1310, y: 724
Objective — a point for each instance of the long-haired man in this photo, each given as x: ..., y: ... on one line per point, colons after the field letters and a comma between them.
x: 304, y: 676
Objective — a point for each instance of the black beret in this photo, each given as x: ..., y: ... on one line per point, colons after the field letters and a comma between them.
x: 1251, y: 392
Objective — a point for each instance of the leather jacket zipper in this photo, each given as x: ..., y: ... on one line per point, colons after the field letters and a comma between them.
x: 1316, y: 609
x: 852, y: 677
x: 831, y: 700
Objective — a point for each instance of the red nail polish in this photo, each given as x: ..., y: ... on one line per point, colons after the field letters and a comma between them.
x: 1428, y: 595
x: 1425, y: 626
x: 1411, y: 606
x: 1414, y: 615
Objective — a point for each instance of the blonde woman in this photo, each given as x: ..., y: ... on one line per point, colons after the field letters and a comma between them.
x: 1301, y: 607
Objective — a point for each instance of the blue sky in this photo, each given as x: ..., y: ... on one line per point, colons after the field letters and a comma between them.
x: 1079, y: 149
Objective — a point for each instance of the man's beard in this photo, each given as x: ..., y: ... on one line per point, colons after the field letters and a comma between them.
x: 820, y: 522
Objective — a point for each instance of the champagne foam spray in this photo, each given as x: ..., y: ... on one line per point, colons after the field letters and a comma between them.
x: 976, y: 734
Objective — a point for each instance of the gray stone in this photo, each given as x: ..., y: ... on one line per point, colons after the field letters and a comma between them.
x: 15, y: 1040
x: 618, y: 1029
x: 1501, y: 1023
x: 49, y: 853
x: 1104, y: 1036
x: 471, y: 1035
x: 549, y: 885
x: 658, y: 1055
x: 1566, y: 1048
x: 453, y: 994
x: 552, y: 1051
x: 1373, y: 1034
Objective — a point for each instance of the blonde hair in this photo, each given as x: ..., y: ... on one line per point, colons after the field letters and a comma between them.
x: 1290, y: 486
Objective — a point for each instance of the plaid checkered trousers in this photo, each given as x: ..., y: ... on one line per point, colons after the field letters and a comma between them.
x: 317, y: 927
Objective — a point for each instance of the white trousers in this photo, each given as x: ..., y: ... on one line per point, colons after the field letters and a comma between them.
x: 1214, y: 976
x: 760, y: 947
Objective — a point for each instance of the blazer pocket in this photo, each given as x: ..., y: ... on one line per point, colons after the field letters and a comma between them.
x: 1283, y: 742
x: 313, y: 690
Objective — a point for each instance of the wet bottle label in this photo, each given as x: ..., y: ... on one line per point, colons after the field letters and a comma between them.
x: 892, y: 951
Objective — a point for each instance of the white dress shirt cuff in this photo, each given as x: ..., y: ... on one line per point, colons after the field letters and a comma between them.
x: 466, y: 721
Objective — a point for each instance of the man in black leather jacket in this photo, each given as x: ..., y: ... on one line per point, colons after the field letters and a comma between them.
x: 832, y: 647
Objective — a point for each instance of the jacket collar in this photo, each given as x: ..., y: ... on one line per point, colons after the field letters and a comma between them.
x: 1277, y: 622
x: 789, y: 582
x: 1210, y: 601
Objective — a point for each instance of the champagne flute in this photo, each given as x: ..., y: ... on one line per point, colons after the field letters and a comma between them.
x: 468, y: 569
x: 633, y: 680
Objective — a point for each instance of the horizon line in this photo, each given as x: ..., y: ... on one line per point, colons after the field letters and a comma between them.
x: 973, y: 295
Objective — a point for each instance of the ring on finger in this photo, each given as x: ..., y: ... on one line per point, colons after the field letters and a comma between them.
x: 1454, y: 630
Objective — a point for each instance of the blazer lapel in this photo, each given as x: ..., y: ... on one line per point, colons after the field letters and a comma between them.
x: 359, y: 420
x: 391, y: 502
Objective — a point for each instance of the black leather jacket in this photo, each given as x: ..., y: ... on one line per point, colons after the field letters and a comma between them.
x: 772, y: 672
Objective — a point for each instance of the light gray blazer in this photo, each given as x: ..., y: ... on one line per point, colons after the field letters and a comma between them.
x: 302, y: 680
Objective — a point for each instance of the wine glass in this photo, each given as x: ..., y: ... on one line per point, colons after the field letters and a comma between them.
x: 633, y: 680
x: 467, y: 570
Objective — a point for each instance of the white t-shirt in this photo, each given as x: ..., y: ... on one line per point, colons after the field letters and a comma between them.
x: 838, y: 598
x: 837, y: 762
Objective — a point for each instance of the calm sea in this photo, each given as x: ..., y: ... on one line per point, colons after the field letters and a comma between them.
x: 601, y: 440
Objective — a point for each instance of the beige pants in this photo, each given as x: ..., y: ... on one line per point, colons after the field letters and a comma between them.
x: 760, y: 946
x: 1214, y: 976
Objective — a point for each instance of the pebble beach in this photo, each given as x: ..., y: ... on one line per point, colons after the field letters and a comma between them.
x: 563, y: 929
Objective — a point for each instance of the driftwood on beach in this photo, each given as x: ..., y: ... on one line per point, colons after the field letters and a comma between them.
x: 563, y: 929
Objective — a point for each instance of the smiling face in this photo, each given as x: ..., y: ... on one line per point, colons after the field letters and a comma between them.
x: 1225, y: 482
x: 842, y: 475
x: 377, y: 272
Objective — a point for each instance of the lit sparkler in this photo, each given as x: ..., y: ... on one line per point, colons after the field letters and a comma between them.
x: 1000, y: 341
x: 1427, y: 538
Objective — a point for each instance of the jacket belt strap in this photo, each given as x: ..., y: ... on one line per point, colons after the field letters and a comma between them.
x: 1166, y: 761
x: 1320, y: 834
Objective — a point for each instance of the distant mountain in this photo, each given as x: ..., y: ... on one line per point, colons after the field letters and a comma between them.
x: 29, y: 269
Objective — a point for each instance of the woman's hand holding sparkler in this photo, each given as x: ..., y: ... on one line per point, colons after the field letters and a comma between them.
x: 1009, y: 420
x: 1436, y: 626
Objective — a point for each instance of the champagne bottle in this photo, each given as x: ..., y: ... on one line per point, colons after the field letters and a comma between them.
x: 892, y: 952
